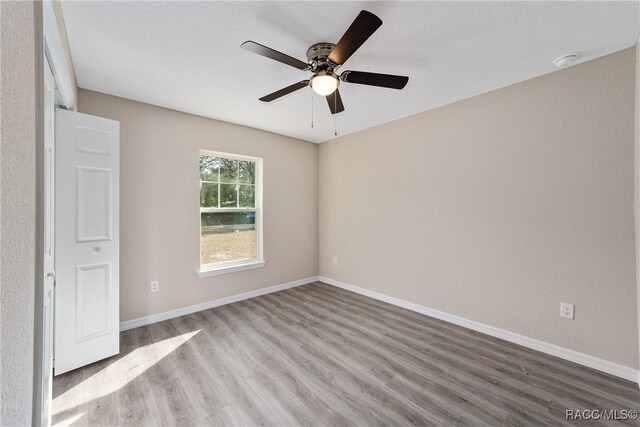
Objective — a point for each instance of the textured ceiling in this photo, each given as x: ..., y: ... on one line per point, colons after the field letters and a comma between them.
x: 187, y: 56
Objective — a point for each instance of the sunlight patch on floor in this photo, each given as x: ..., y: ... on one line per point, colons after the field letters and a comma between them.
x: 117, y: 375
x: 70, y: 421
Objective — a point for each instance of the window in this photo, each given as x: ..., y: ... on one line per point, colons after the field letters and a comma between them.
x: 230, y: 213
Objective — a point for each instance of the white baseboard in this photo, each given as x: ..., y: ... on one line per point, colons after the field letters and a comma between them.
x: 612, y: 368
x: 147, y: 320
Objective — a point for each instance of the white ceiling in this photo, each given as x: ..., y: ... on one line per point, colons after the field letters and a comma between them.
x: 187, y: 56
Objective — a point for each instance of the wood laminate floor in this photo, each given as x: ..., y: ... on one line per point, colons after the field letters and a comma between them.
x: 319, y: 355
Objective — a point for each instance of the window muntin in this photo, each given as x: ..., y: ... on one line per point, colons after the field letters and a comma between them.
x: 230, y: 231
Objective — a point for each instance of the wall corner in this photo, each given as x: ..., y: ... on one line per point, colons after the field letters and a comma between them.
x: 636, y: 202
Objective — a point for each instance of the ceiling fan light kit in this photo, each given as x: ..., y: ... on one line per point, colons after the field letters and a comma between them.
x: 324, y: 59
x: 324, y: 83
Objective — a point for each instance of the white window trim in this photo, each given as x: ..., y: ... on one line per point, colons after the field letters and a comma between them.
x: 224, y: 268
x: 207, y: 270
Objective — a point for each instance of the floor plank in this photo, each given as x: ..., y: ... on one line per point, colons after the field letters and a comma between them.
x: 319, y: 355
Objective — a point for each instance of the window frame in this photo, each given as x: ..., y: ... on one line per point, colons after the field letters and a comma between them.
x: 242, y: 264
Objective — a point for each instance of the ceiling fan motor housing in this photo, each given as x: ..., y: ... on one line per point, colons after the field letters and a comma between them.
x: 317, y: 56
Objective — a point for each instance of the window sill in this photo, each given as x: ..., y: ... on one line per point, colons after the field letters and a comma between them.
x: 224, y: 269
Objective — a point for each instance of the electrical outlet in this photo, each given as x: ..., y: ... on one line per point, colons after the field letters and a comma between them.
x: 155, y: 286
x: 566, y: 310
x: 335, y: 260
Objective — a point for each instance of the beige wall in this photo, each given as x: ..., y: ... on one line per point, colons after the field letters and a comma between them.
x: 159, y: 199
x: 18, y: 209
x: 499, y: 207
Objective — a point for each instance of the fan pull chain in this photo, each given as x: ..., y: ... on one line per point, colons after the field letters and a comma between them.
x: 335, y: 118
x: 311, y: 110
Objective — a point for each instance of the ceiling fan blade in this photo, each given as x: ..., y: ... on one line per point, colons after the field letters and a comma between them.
x: 374, y: 79
x: 365, y: 24
x: 335, y: 102
x: 254, y: 47
x: 285, y: 91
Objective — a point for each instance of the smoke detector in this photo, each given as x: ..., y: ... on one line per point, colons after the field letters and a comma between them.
x: 565, y: 60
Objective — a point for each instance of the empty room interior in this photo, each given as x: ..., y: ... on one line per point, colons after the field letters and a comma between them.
x: 319, y: 213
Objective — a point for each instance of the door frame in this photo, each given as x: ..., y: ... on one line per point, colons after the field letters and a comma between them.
x: 48, y: 273
x: 49, y: 49
x: 38, y: 332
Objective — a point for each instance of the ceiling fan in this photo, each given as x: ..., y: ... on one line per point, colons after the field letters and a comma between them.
x: 325, y: 58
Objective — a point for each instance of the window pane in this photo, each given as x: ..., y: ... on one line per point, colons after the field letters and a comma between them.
x: 227, y: 237
x: 247, y: 172
x: 228, y: 196
x: 228, y: 170
x: 208, y: 195
x: 247, y: 196
x: 209, y: 167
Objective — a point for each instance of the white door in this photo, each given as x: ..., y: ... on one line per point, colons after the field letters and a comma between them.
x: 48, y: 249
x: 87, y: 239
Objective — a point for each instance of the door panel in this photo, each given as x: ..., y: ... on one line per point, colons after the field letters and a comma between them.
x: 93, y: 141
x: 94, y: 204
x: 93, y: 301
x: 87, y: 264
